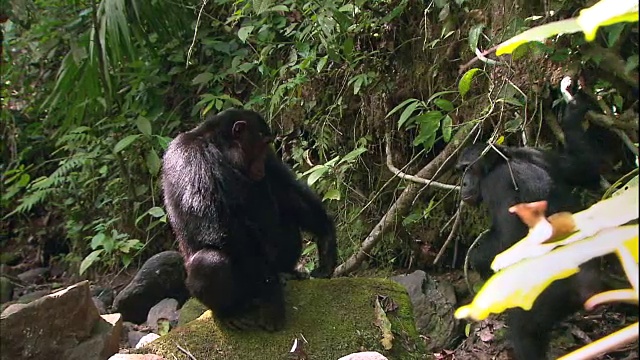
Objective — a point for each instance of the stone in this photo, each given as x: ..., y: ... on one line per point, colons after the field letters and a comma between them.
x: 162, y: 276
x: 47, y: 327
x: 103, y: 343
x: 33, y: 276
x: 99, y: 305
x: 434, y: 303
x: 165, y: 309
x: 32, y: 296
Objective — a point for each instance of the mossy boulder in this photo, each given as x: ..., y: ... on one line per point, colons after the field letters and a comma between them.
x: 336, y: 317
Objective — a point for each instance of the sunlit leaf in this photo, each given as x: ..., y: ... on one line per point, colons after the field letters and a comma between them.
x: 465, y: 82
x: 352, y: 155
x: 539, y: 33
x: 447, y: 124
x: 244, y: 33
x: 317, y: 174
x: 333, y: 194
x: 520, y: 284
x: 606, y: 12
x: 605, y: 214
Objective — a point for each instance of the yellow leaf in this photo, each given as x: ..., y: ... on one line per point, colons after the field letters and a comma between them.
x: 606, y: 12
x: 520, y: 284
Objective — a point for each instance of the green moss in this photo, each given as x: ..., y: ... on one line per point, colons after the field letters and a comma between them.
x: 335, y: 316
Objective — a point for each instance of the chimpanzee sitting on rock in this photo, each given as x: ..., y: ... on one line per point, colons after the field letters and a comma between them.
x: 237, y: 213
x: 504, y: 176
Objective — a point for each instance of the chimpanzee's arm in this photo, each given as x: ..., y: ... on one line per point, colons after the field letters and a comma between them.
x: 300, y: 204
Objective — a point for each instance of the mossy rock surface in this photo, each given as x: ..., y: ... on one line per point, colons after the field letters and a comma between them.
x: 336, y: 317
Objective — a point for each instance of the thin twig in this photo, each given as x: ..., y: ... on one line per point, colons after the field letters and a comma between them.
x: 185, y: 351
x: 452, y: 234
x: 466, y: 261
x: 195, y: 33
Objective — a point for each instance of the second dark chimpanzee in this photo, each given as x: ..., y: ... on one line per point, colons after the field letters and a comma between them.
x: 531, y: 175
x: 237, y: 213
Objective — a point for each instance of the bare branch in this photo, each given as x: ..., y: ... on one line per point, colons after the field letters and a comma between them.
x: 397, y: 172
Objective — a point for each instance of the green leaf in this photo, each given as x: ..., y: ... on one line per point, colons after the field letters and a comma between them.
x: 474, y: 36
x: 163, y: 326
x: 202, y: 78
x: 444, y: 104
x: 122, y: 144
x: 357, y: 85
x: 632, y: 63
x: 143, y: 125
x: 153, y: 162
x: 429, y: 124
x: 447, y: 124
x: 282, y: 8
x: 352, y: 155
x: 156, y: 212
x: 163, y: 141
x: 89, y: 260
x: 406, y: 114
x: 321, y: 63
x: 400, y: 106
x: 244, y: 33
x: 98, y: 240
x: 317, y: 174
x: 465, y: 82
x: 333, y: 194
x: 347, y: 47
x: 260, y: 6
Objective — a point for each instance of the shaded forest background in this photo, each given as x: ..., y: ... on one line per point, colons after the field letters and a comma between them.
x: 359, y: 93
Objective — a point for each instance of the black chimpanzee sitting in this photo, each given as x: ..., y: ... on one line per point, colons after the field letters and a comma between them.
x: 237, y: 213
x: 528, y: 175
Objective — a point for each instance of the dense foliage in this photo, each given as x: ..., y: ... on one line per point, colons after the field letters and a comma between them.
x: 93, y: 91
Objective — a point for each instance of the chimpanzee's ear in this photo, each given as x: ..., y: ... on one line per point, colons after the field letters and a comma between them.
x: 238, y: 128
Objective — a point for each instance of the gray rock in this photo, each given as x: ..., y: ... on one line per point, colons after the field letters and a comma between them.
x: 103, y: 343
x: 32, y: 296
x: 165, y: 309
x: 48, y: 327
x: 6, y: 289
x: 99, y: 305
x: 162, y: 276
x: 33, y: 276
x: 105, y: 295
x: 434, y: 303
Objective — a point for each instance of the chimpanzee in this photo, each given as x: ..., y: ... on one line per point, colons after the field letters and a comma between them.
x: 528, y: 175
x: 237, y: 213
